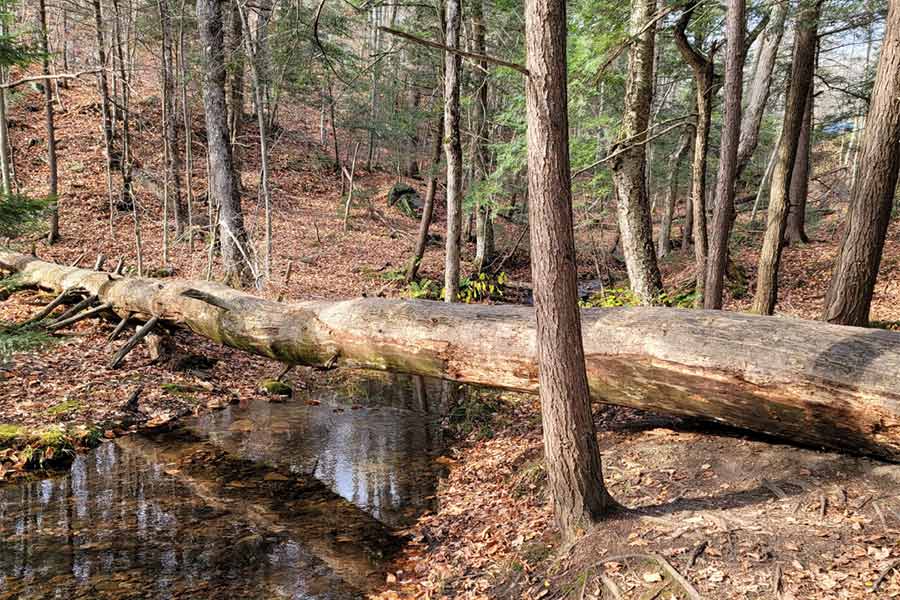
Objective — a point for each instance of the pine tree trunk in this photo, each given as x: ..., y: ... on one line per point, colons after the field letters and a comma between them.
x: 760, y: 85
x: 629, y: 167
x: 53, y: 183
x: 723, y: 210
x: 664, y: 243
x: 571, y: 454
x: 223, y: 186
x: 802, y: 71
x: 795, y: 233
x: 453, y: 152
x: 849, y: 296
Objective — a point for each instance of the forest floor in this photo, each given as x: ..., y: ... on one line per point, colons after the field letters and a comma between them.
x: 737, y: 517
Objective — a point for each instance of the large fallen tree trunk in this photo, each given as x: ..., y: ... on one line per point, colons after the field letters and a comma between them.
x: 804, y: 381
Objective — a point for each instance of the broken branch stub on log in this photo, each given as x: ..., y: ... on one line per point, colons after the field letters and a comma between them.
x: 804, y: 381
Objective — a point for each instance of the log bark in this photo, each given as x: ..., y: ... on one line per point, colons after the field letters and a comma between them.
x: 805, y: 381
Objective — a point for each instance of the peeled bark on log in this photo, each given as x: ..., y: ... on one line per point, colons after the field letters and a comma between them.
x: 805, y: 381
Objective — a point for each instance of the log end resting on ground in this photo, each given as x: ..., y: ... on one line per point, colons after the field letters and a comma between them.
x: 804, y: 381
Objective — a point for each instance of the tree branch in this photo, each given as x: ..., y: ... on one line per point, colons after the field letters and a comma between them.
x: 439, y: 46
x: 30, y: 78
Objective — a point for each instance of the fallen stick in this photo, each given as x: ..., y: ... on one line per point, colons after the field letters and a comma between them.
x: 80, y: 316
x: 49, y: 308
x: 119, y: 328
x: 804, y: 381
x: 140, y: 334
x: 78, y: 306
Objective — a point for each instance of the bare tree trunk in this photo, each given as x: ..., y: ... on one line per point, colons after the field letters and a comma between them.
x: 170, y: 126
x: 758, y: 93
x: 795, y: 232
x: 127, y: 161
x: 664, y: 243
x: 629, y: 167
x: 234, y: 60
x: 188, y: 131
x: 5, y: 147
x: 704, y: 88
x: 453, y: 151
x: 571, y: 454
x: 428, y: 207
x: 484, y: 221
x: 53, y: 183
x: 106, y: 115
x: 802, y: 72
x: 849, y: 296
x: 723, y: 211
x: 223, y: 186
x: 411, y: 166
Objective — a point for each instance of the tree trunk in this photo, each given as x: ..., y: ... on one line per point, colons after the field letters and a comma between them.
x: 802, y: 70
x: 223, y: 186
x: 53, y: 183
x: 106, y: 115
x: 411, y: 165
x: 428, y: 207
x: 453, y: 152
x: 571, y: 454
x: 484, y: 221
x: 664, y: 243
x: 849, y: 296
x: 629, y: 167
x: 758, y: 93
x: 795, y: 233
x: 235, y: 77
x: 703, y: 70
x: 804, y: 381
x: 170, y: 126
x: 723, y: 210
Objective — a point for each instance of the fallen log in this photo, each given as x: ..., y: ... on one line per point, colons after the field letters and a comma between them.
x: 805, y: 381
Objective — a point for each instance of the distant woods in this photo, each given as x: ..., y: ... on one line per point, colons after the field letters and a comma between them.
x: 685, y: 118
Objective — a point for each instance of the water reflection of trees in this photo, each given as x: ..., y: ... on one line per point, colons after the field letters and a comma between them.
x: 374, y: 442
x: 116, y: 513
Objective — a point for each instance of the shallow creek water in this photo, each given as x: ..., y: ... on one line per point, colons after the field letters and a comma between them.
x: 293, y: 500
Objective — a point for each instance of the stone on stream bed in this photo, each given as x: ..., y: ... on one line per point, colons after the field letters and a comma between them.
x: 277, y: 389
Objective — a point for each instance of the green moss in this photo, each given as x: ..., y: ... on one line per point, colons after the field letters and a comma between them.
x: 8, y: 433
x: 275, y: 387
x: 64, y: 407
x: 22, y: 339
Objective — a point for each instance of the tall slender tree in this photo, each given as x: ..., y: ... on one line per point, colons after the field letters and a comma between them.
x: 571, y: 453
x: 453, y: 151
x: 723, y: 211
x: 629, y: 167
x: 223, y: 186
x: 802, y: 69
x: 703, y: 69
x: 53, y: 181
x: 849, y: 297
x: 484, y: 221
x: 795, y: 232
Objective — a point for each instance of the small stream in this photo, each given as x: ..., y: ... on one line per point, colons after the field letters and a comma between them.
x: 292, y: 500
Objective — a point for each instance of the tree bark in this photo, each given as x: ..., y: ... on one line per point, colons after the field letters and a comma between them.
x: 571, y: 453
x: 795, y: 232
x: 723, y: 210
x: 629, y: 167
x: 664, y: 243
x: 760, y: 85
x: 703, y: 70
x: 484, y: 221
x: 53, y: 182
x: 804, y: 381
x: 453, y: 152
x: 223, y: 185
x: 235, y: 77
x: 428, y: 206
x: 805, y: 39
x: 173, y: 164
x: 849, y: 295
